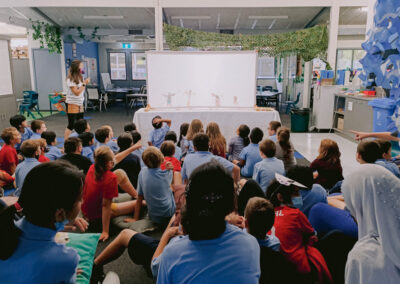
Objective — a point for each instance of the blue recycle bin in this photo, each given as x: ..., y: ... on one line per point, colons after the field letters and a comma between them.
x: 383, y: 111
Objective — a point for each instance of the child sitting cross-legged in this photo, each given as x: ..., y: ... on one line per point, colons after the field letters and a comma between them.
x: 19, y: 122
x: 168, y: 150
x: 38, y: 127
x: 80, y: 126
x: 250, y: 154
x: 273, y: 127
x: 53, y: 152
x: 87, y: 139
x: 368, y: 152
x: 385, y: 159
x: 101, y: 186
x: 171, y: 136
x: 8, y: 154
x: 237, y: 143
x: 154, y: 186
x: 43, y: 148
x: 285, y: 148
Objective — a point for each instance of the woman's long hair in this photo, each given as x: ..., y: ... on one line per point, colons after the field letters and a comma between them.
x: 217, y: 141
x: 182, y: 132
x: 283, y: 136
x: 244, y: 132
x: 74, y: 73
x: 329, y: 151
x: 47, y: 188
x: 196, y: 126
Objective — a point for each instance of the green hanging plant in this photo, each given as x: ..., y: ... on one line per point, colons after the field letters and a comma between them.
x: 308, y: 43
x: 94, y: 32
x: 48, y: 35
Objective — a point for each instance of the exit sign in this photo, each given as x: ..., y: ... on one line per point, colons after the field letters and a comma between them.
x: 126, y: 45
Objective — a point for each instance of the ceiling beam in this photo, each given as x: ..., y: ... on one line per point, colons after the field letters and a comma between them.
x: 236, y: 22
x: 50, y: 20
x: 310, y: 22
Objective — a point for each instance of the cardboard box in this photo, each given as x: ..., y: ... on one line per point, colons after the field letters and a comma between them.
x: 327, y: 82
x: 340, y: 123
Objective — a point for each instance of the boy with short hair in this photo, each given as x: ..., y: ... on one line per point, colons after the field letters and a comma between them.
x: 250, y: 154
x: 154, y: 187
x: 8, y: 153
x: 30, y: 149
x: 19, y: 122
x: 73, y: 150
x: 104, y: 136
x: 273, y: 127
x: 129, y: 127
x: 157, y: 135
x: 368, y: 152
x: 80, y: 126
x: 43, y: 147
x: 264, y: 171
x: 54, y: 153
x: 87, y: 139
x: 38, y: 127
x: 171, y: 135
x: 168, y: 150
x: 386, y: 157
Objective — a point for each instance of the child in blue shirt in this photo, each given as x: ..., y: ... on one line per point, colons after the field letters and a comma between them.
x: 250, y: 154
x: 19, y: 122
x: 264, y: 171
x: 28, y: 251
x: 38, y: 127
x: 157, y: 135
x: 385, y: 154
x: 273, y: 127
x: 80, y: 126
x: 237, y: 143
x: 136, y: 137
x: 53, y: 152
x: 154, y: 187
x: 104, y: 137
x: 87, y: 142
x: 171, y: 135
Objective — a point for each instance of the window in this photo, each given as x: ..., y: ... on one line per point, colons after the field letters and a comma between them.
x: 117, y: 66
x: 139, y: 66
x: 266, y: 67
x: 349, y: 59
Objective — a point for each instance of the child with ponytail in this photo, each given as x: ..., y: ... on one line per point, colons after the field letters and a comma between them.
x: 285, y: 148
x: 237, y: 143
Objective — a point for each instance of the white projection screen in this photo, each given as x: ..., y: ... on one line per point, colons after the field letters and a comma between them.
x: 5, y: 73
x: 201, y: 79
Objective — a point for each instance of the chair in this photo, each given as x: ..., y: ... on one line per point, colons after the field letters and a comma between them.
x: 29, y: 103
x: 101, y: 99
x: 136, y: 98
x: 292, y: 104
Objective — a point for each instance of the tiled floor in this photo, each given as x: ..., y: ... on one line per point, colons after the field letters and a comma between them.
x: 307, y: 144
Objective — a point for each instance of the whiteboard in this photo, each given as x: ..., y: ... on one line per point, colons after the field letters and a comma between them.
x: 201, y: 79
x: 5, y: 73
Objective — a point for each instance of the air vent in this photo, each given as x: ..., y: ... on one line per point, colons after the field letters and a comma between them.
x: 135, y: 32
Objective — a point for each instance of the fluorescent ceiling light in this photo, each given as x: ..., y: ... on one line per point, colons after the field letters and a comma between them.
x: 267, y: 17
x: 191, y: 17
x: 103, y: 17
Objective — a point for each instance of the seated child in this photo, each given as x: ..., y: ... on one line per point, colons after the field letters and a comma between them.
x: 386, y: 157
x: 129, y: 127
x: 327, y: 164
x: 273, y: 129
x: 43, y: 149
x: 168, y: 150
x: 112, y: 144
x: 131, y: 163
x: 80, y: 126
x: 196, y: 126
x: 295, y: 232
x: 368, y: 152
x: 104, y: 137
x: 154, y: 188
x: 237, y: 143
x: 28, y: 250
x: 38, y: 127
x: 30, y: 149
x: 87, y: 139
x: 217, y: 140
x: 157, y: 135
x: 264, y: 171
x: 6, y: 181
x: 136, y: 137
x: 183, y: 129
x: 8, y: 153
x: 313, y: 193
x: 53, y: 152
x: 73, y: 150
x: 285, y: 148
x: 171, y: 135
x: 101, y: 186
x: 19, y: 122
x: 250, y: 154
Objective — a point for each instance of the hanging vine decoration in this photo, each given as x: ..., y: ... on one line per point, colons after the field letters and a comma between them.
x: 48, y: 35
x: 308, y: 43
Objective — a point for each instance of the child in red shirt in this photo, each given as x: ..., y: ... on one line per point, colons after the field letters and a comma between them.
x: 43, y: 146
x: 168, y: 150
x: 101, y: 186
x: 295, y: 231
x: 8, y: 153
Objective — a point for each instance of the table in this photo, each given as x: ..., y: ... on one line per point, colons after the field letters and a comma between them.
x: 124, y: 92
x: 268, y: 96
x: 228, y: 119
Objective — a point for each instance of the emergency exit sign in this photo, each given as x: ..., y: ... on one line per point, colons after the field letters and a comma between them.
x: 126, y: 45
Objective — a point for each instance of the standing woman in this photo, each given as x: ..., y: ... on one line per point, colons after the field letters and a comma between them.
x: 75, y: 95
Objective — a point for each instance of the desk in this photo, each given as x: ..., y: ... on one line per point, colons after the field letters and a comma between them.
x: 269, y: 96
x: 124, y: 92
x: 228, y: 119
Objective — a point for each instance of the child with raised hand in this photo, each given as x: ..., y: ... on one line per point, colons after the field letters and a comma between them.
x: 43, y: 148
x: 385, y: 159
x: 196, y: 126
x: 53, y: 152
x: 19, y: 122
x: 237, y: 143
x: 285, y: 148
x: 28, y: 251
x: 157, y: 135
x: 171, y: 136
x: 101, y: 186
x: 250, y: 154
x: 295, y: 232
x: 273, y: 127
x: 154, y: 188
x: 8, y: 153
x: 38, y: 127
x: 87, y: 139
x: 264, y: 171
x: 327, y: 164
